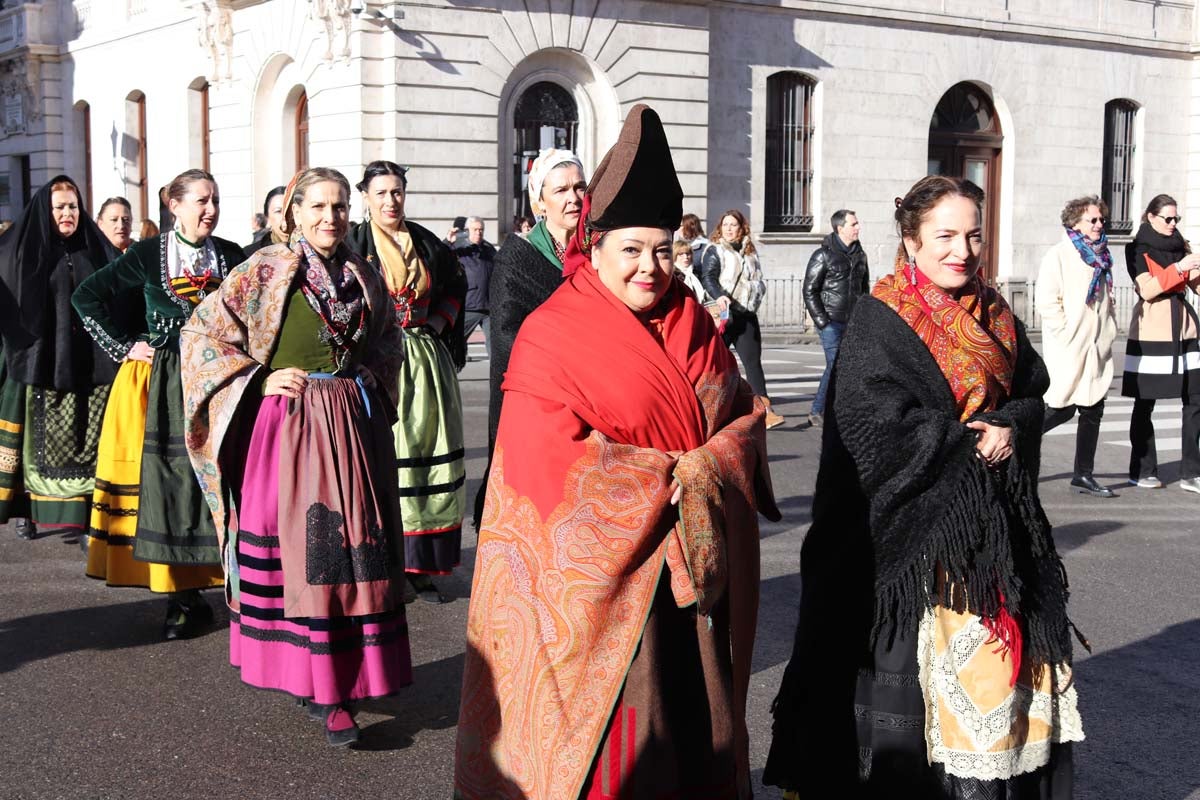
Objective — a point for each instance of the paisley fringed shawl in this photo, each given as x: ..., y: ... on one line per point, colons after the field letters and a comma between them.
x: 230, y: 338
x: 601, y: 414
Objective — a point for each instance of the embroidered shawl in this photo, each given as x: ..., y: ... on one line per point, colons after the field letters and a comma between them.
x: 973, y: 336
x: 230, y: 339
x: 598, y: 419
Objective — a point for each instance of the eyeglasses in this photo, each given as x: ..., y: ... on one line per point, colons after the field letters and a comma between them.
x: 1169, y: 220
x: 1095, y: 220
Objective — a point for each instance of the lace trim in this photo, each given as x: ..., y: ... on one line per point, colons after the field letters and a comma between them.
x: 212, y: 254
x: 113, y: 348
x: 942, y: 688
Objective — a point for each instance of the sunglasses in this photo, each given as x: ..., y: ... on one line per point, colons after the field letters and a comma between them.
x: 1169, y: 220
x: 1094, y: 220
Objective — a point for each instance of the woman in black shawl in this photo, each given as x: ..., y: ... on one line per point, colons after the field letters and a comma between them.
x: 932, y: 655
x: 54, y: 380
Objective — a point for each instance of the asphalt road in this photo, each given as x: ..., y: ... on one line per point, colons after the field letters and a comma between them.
x: 94, y: 705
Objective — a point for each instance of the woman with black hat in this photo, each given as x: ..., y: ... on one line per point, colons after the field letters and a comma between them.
x: 616, y: 583
x: 150, y: 526
x: 428, y: 288
x: 54, y: 381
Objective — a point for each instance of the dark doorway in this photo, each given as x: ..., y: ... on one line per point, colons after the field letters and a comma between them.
x: 545, y: 116
x: 965, y: 141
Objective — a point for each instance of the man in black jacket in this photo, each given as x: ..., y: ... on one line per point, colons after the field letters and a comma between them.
x: 477, y: 256
x: 837, y: 275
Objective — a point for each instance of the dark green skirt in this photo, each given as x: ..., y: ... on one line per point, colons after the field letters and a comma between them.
x: 13, y: 500
x: 174, y: 523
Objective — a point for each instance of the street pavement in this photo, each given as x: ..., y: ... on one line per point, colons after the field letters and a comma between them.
x: 94, y: 705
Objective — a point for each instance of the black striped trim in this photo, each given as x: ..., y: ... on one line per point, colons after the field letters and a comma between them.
x: 122, y: 489
x: 158, y: 537
x: 258, y: 541
x: 105, y: 508
x: 431, y: 461
x: 432, y: 489
x: 324, y: 648
x: 265, y: 564
x: 113, y: 540
x: 260, y: 589
x: 323, y: 624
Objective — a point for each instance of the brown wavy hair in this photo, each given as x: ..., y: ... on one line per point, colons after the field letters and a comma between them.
x: 743, y: 233
x: 922, y: 198
x: 1074, y: 210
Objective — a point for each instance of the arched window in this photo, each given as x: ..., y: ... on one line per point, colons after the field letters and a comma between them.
x: 200, y: 142
x: 1118, y: 177
x: 136, y: 152
x: 302, y: 132
x: 545, y: 116
x: 789, y: 167
x: 965, y: 141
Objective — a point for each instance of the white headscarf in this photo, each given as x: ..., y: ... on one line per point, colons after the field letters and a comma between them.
x: 547, y: 160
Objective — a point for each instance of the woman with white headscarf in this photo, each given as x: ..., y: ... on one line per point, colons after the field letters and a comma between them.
x: 527, y: 270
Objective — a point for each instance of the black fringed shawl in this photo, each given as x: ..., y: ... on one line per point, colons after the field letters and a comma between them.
x: 44, y: 341
x: 899, y: 494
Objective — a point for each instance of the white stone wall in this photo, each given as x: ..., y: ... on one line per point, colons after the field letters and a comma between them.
x: 436, y: 91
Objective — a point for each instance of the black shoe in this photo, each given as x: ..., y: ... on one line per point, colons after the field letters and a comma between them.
x: 426, y: 589
x: 186, y: 618
x: 316, y: 711
x: 1086, y: 484
x: 816, y: 420
x: 25, y: 529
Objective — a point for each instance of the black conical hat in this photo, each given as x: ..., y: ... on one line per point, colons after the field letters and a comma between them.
x: 636, y: 185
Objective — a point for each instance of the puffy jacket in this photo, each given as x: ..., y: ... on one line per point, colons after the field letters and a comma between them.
x: 836, y: 276
x: 477, y: 260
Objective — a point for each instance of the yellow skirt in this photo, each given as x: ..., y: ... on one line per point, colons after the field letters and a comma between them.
x: 113, y: 525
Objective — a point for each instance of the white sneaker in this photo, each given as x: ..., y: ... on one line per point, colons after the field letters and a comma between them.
x: 1190, y: 485
x: 1151, y: 482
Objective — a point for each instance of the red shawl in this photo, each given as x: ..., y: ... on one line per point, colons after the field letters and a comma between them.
x: 601, y: 413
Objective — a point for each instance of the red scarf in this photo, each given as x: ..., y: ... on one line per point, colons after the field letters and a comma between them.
x: 972, y: 335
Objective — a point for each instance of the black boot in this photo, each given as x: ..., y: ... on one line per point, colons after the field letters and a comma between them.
x: 425, y: 588
x: 25, y: 529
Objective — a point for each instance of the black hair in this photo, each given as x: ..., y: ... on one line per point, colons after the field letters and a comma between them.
x: 278, y: 190
x: 377, y: 168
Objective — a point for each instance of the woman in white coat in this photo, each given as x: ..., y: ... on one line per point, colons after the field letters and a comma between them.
x: 1075, y: 299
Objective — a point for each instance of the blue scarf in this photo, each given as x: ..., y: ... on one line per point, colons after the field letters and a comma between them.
x: 1095, y: 255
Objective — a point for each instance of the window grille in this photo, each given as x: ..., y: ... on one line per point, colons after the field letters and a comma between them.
x: 1119, y: 116
x: 789, y: 173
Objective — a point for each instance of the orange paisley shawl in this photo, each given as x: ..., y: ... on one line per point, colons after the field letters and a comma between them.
x: 601, y: 414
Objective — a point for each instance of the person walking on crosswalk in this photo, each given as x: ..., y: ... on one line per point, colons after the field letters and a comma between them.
x: 1162, y: 357
x: 1079, y: 323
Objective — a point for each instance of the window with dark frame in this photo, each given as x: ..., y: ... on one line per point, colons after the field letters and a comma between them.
x: 1117, y: 190
x: 205, y: 133
x: 302, y: 132
x: 789, y: 167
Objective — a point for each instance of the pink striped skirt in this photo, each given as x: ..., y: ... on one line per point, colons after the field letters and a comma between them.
x: 332, y: 658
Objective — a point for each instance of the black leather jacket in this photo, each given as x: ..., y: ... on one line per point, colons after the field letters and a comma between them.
x: 835, y: 278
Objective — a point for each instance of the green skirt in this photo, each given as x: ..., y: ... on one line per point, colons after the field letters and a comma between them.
x: 174, y: 523
x: 48, y: 445
x: 429, y: 456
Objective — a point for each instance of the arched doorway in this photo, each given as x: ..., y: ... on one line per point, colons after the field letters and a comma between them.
x: 545, y: 116
x: 965, y: 141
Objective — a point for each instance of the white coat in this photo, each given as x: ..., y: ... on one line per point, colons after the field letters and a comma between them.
x: 1076, y: 338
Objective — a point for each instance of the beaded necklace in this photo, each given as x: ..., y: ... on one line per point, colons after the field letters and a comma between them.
x: 197, y: 280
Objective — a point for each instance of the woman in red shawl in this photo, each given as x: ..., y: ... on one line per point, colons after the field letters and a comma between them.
x: 616, y: 582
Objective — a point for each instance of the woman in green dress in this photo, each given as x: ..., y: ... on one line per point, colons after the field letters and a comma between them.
x: 53, y: 381
x: 150, y: 526
x: 428, y: 288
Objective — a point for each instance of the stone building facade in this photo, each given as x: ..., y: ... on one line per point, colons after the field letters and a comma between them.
x: 784, y: 109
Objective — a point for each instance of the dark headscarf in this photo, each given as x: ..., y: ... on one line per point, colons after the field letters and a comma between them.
x: 1165, y: 250
x: 44, y: 341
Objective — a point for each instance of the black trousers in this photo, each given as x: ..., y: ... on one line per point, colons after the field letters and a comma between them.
x: 1087, y: 435
x: 1143, y: 458
x: 746, y: 337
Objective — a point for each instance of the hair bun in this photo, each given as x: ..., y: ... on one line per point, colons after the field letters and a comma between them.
x: 899, y: 201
